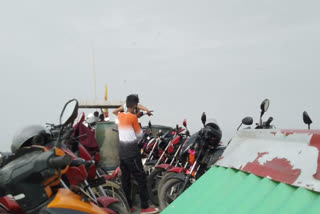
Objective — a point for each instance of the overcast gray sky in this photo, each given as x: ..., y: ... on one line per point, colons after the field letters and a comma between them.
x: 181, y: 57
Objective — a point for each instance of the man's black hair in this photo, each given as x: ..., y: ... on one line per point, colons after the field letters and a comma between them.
x: 132, y: 100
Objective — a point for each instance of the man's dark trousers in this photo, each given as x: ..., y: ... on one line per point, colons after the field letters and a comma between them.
x: 133, y: 166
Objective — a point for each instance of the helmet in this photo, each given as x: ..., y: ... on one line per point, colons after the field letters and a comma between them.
x: 92, y: 118
x: 34, y: 134
x: 213, y: 132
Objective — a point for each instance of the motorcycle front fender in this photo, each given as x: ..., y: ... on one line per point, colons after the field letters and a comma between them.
x: 179, y: 176
x: 108, y: 177
x: 111, y: 184
x: 116, y: 172
x: 176, y: 169
x: 163, y: 166
x: 105, y: 201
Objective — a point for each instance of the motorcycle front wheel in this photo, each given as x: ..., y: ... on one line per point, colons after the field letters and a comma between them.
x: 164, y: 179
x: 118, y: 208
x: 114, y: 193
x: 153, y: 181
x: 113, y: 190
x: 169, y: 191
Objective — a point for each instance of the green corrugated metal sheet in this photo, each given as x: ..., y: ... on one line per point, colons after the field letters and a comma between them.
x: 225, y: 190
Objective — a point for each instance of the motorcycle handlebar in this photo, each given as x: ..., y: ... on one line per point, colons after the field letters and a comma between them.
x: 60, y: 162
x: 53, y: 126
x: 266, y: 124
x: 269, y: 121
x: 80, y: 161
x: 75, y: 138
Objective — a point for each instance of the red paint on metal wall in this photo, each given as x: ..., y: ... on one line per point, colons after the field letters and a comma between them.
x: 278, y: 169
x: 315, y: 141
x: 287, y: 132
x: 274, y: 133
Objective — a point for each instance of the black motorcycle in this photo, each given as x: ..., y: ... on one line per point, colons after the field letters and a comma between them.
x: 197, y: 154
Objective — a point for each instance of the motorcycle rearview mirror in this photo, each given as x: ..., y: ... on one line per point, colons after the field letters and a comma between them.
x: 69, y: 112
x: 67, y: 116
x: 204, y: 118
x: 184, y: 123
x: 306, y: 119
x: 264, y: 106
x: 246, y: 121
x: 150, y: 126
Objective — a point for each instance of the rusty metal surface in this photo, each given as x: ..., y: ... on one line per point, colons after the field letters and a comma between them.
x: 287, y: 156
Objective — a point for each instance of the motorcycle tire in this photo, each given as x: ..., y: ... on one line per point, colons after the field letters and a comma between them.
x: 152, y: 184
x: 118, y: 208
x: 164, y: 179
x: 170, y: 186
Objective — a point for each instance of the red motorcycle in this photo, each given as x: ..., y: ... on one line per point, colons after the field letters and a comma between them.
x: 162, y: 165
x: 88, y: 149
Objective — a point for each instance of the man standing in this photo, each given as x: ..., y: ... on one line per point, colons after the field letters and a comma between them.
x: 129, y: 153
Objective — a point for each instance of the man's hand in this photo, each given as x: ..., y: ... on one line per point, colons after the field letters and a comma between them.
x: 149, y: 113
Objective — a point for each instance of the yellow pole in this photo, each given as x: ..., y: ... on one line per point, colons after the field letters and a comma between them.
x: 94, y: 76
x: 106, y: 114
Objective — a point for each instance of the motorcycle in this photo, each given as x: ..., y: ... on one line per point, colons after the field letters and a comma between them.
x: 170, y: 153
x: 199, y: 152
x: 98, y: 179
x: 261, y: 125
x: 77, y: 141
x: 32, y: 177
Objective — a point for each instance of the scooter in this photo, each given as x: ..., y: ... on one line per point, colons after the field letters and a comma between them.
x: 32, y: 176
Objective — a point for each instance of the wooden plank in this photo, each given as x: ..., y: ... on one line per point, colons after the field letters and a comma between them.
x: 100, y: 104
